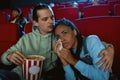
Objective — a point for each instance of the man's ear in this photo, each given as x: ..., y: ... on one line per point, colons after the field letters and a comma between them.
x: 75, y: 32
x: 35, y: 23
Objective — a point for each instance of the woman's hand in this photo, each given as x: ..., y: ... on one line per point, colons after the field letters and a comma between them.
x: 57, y: 51
x: 16, y: 57
x: 56, y: 45
x: 67, y: 56
x: 64, y: 54
x: 107, y: 60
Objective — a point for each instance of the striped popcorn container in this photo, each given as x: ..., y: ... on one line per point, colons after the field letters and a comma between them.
x: 32, y: 67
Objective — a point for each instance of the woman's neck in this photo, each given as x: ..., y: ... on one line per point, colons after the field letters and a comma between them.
x: 75, y: 44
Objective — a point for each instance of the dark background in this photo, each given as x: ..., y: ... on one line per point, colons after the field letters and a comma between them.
x: 11, y: 3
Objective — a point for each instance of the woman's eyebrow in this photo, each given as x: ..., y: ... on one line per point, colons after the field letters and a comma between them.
x: 59, y: 33
x: 62, y: 31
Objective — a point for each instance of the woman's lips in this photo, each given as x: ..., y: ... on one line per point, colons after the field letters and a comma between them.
x: 65, y: 44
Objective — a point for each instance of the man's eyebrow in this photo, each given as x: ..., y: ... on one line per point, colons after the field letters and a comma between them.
x: 44, y: 17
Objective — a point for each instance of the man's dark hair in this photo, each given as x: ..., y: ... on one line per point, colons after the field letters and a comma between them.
x: 39, y: 7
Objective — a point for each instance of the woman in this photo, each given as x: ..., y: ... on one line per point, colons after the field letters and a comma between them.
x: 16, y: 17
x: 78, y: 54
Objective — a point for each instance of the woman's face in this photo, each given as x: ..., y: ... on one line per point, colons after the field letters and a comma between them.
x: 67, y: 36
x: 14, y: 13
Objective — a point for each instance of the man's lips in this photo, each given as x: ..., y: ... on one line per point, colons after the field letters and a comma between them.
x: 50, y: 26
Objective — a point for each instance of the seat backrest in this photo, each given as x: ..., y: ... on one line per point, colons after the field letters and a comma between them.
x: 81, y: 5
x: 96, y: 10
x: 117, y: 9
x: 4, y: 18
x: 104, y: 26
x: 9, y: 35
x: 58, y: 7
x: 28, y: 27
x: 112, y: 4
x: 68, y: 12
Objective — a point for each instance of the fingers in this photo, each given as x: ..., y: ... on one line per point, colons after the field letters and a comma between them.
x: 21, y: 55
x: 16, y: 57
x: 57, y: 47
x: 102, y: 60
x: 64, y: 53
x: 16, y: 61
x: 101, y: 53
x: 108, y: 66
x: 67, y: 56
x: 106, y: 61
x: 103, y: 66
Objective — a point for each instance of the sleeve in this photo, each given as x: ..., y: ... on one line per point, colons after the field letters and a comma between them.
x: 69, y: 73
x: 107, y: 44
x: 94, y: 46
x: 16, y: 47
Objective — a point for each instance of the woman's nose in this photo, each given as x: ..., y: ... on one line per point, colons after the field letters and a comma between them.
x: 62, y: 38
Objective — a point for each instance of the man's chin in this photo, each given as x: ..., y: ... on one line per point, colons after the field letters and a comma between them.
x: 49, y: 31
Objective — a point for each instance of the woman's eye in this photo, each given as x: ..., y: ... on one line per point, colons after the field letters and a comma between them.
x: 57, y: 37
x: 64, y: 32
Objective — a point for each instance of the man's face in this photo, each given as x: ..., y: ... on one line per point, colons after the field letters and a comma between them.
x: 45, y: 21
x: 67, y: 36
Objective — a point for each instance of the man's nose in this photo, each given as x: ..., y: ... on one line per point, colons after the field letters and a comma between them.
x: 50, y: 20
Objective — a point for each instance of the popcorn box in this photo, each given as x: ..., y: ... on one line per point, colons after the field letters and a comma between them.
x: 32, y: 67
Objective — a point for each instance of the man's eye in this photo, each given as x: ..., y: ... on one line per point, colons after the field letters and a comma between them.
x: 45, y: 19
x: 52, y: 17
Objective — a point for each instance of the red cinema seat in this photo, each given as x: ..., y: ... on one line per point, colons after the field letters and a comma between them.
x: 26, y: 10
x: 9, y: 35
x: 28, y: 28
x: 4, y: 18
x: 97, y: 10
x: 117, y: 10
x: 112, y: 4
x: 68, y: 12
x: 58, y: 7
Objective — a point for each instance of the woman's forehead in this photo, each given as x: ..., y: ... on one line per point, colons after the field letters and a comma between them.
x: 61, y: 28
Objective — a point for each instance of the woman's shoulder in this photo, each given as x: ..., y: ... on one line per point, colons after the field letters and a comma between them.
x: 92, y: 40
x: 92, y: 37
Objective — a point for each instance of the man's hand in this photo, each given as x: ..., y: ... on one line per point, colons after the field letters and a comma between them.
x: 107, y: 60
x: 16, y: 57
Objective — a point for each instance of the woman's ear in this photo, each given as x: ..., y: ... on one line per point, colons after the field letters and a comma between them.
x: 75, y: 32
